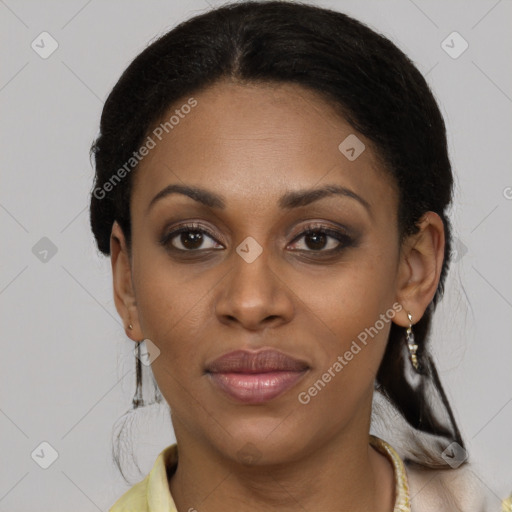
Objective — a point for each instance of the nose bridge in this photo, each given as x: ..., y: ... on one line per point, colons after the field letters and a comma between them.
x: 253, y: 293
x: 252, y: 279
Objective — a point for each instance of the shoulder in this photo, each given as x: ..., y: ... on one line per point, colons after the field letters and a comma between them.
x: 151, y: 494
x: 133, y: 499
x: 450, y: 490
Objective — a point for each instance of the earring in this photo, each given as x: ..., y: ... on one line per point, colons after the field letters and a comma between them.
x: 130, y: 327
x: 409, y: 338
x: 138, y: 399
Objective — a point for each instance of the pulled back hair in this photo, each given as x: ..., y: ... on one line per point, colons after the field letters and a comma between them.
x: 367, y: 80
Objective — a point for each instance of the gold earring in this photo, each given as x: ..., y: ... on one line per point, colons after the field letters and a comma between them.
x: 409, y: 338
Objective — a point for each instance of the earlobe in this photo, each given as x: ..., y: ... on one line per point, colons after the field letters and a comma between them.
x: 124, y: 296
x: 421, y: 261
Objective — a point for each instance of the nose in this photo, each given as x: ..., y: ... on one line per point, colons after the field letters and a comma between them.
x: 253, y: 295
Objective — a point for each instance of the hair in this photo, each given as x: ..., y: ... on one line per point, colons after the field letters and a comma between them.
x: 366, y: 78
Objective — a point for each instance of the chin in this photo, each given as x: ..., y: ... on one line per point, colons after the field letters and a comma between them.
x: 261, y: 441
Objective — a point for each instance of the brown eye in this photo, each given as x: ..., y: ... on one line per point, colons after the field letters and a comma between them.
x: 322, y: 239
x: 316, y: 241
x: 189, y: 239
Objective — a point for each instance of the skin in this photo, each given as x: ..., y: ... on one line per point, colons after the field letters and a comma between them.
x: 251, y: 144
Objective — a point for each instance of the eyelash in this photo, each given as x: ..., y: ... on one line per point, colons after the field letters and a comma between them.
x: 344, y: 239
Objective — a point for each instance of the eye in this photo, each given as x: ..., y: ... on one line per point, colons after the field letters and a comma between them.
x: 189, y: 238
x: 322, y: 239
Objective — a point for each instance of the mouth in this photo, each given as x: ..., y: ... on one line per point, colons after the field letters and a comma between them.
x: 255, y: 377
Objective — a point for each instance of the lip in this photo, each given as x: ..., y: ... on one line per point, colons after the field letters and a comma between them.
x: 255, y: 377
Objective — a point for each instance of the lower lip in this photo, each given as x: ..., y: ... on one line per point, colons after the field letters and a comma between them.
x: 255, y: 388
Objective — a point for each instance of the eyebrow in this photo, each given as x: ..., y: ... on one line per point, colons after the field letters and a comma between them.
x: 289, y: 200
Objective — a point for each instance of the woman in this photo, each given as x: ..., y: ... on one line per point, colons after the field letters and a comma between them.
x: 272, y: 181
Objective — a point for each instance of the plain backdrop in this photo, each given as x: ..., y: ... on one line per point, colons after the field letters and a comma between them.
x: 67, y: 369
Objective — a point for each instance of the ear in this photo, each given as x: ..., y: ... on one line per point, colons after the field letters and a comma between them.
x: 421, y: 261
x: 124, y: 296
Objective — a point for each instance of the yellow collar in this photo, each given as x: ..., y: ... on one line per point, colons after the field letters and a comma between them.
x: 402, y: 500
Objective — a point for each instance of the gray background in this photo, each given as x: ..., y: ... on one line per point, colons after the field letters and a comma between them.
x: 66, y: 366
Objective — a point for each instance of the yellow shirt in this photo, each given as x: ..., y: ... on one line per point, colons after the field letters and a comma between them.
x: 153, y: 495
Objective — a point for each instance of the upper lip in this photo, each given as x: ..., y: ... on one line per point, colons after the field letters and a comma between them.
x: 263, y: 361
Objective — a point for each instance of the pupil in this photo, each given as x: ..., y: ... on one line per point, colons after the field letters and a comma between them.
x: 318, y: 241
x: 191, y: 239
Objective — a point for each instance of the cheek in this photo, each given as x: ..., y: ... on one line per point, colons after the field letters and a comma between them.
x: 350, y: 343
x: 172, y: 315
x: 171, y: 305
x: 350, y: 296
x: 350, y: 314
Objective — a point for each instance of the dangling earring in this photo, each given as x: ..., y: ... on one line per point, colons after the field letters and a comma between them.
x: 409, y: 338
x: 138, y: 399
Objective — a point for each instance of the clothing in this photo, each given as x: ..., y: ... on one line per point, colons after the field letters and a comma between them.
x: 425, y: 490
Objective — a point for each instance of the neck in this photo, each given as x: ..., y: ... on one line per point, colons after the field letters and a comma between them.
x: 342, y: 474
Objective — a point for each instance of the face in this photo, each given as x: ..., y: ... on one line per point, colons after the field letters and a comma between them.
x: 244, y: 273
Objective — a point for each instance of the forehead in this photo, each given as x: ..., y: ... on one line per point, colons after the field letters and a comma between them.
x: 256, y: 141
